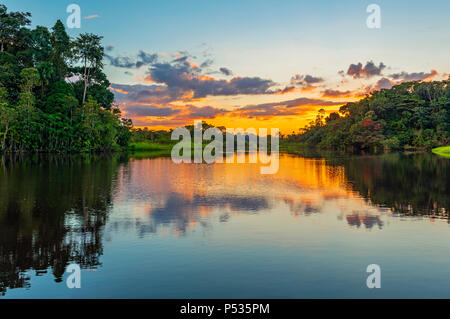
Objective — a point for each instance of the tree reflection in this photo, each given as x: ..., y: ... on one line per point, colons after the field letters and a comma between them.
x: 52, y: 212
x: 367, y: 220
x: 414, y: 184
x: 182, y: 212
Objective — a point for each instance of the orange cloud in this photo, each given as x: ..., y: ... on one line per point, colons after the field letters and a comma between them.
x: 93, y: 16
x: 309, y: 88
x: 146, y: 79
x: 336, y: 94
x: 286, y: 91
x: 118, y: 90
x: 431, y: 75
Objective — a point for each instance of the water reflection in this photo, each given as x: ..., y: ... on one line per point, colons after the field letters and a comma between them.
x: 368, y: 221
x: 58, y: 210
x: 177, y: 198
x: 408, y: 184
x: 52, y: 212
x: 183, y: 211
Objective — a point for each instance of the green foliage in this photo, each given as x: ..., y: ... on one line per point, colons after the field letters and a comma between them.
x: 410, y: 115
x: 150, y: 147
x: 443, y: 151
x: 10, y: 74
x: 89, y: 52
x: 39, y: 109
x: 146, y: 136
x: 11, y: 25
x: 61, y: 50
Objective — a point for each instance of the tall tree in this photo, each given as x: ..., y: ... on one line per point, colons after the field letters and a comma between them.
x: 61, y: 49
x: 30, y: 78
x: 89, y: 52
x: 41, y: 44
x: 27, y: 113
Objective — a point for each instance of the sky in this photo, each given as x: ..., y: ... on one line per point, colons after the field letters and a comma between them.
x: 256, y: 63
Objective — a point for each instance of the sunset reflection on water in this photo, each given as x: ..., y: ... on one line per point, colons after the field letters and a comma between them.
x: 148, y: 228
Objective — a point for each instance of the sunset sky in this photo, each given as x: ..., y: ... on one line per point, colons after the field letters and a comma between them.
x: 259, y: 63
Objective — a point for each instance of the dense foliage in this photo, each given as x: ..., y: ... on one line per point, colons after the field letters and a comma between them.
x: 54, y: 96
x: 410, y: 115
x: 164, y: 137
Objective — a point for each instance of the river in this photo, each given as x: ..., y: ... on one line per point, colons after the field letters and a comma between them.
x: 143, y: 227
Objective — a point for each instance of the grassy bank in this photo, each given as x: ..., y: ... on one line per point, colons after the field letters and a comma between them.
x: 286, y: 146
x: 148, y: 147
x: 443, y: 151
x: 164, y: 149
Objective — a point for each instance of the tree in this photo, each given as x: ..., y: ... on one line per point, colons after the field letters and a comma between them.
x: 61, y: 50
x: 10, y: 25
x: 89, y: 52
x: 10, y: 74
x: 320, y: 117
x: 27, y: 113
x: 30, y: 78
x: 7, y: 116
x: 332, y: 117
x: 47, y: 74
x: 41, y: 44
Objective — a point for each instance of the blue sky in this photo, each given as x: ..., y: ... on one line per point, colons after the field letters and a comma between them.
x: 264, y: 38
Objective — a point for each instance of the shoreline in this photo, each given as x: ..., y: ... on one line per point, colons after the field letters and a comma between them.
x: 443, y: 151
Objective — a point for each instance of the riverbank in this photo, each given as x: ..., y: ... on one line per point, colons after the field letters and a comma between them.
x: 442, y: 151
x: 149, y: 147
x: 164, y: 149
x: 294, y: 147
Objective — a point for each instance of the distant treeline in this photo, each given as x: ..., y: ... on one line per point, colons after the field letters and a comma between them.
x: 144, y: 135
x: 412, y: 115
x: 163, y: 136
x: 54, y: 95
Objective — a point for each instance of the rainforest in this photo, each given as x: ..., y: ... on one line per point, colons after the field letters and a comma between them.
x: 54, y: 96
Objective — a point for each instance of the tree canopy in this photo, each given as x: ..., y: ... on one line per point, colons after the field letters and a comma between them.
x: 54, y: 96
x: 409, y: 115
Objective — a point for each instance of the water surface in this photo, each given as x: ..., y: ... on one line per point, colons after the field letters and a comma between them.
x: 148, y: 228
